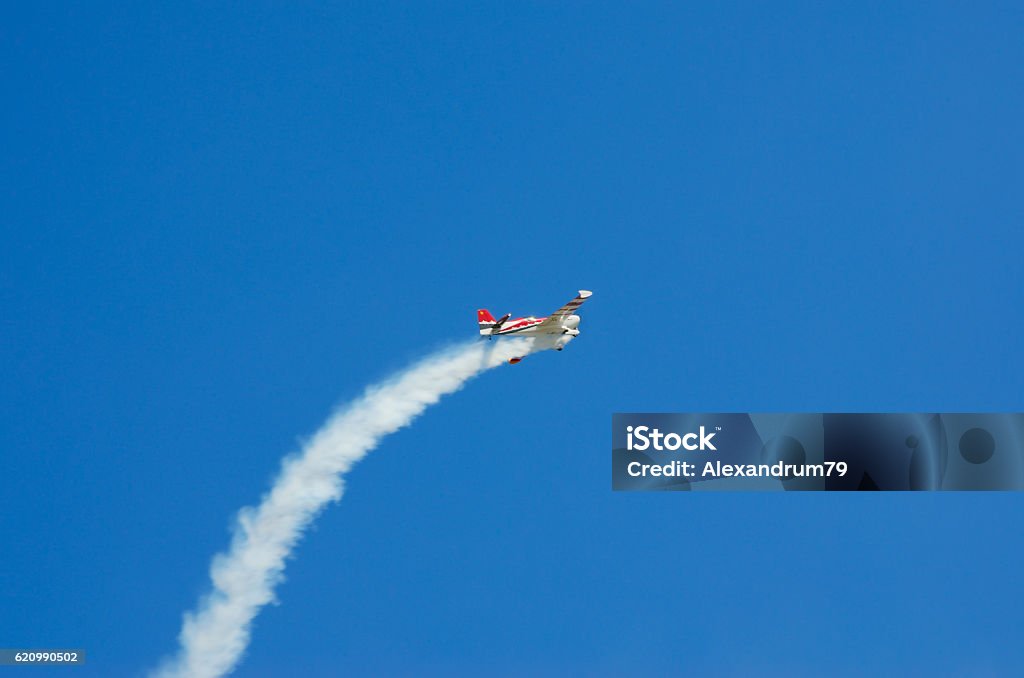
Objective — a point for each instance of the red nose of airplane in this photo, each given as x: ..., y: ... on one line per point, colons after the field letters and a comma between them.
x: 513, y: 361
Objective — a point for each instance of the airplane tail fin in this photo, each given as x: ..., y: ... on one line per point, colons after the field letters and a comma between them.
x: 486, y: 321
x: 488, y: 325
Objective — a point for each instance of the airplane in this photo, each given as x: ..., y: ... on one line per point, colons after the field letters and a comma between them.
x: 558, y: 329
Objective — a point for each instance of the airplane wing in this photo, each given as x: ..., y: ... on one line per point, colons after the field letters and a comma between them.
x: 559, y: 316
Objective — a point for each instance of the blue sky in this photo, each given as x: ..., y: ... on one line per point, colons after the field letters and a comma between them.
x: 220, y: 223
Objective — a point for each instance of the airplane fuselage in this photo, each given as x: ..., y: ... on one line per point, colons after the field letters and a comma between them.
x: 531, y: 326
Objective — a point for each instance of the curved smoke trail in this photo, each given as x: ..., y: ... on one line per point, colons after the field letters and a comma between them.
x: 215, y: 635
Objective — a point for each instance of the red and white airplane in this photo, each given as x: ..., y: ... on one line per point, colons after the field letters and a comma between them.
x: 556, y: 330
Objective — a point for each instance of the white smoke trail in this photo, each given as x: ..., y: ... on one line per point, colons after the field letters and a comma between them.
x: 214, y: 637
